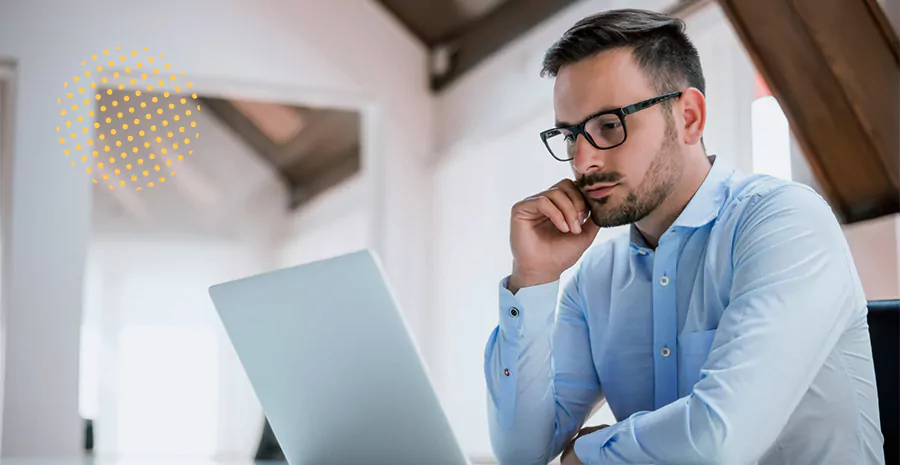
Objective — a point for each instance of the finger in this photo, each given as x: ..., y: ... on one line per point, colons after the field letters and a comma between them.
x: 575, y: 195
x: 548, y: 208
x: 564, y: 203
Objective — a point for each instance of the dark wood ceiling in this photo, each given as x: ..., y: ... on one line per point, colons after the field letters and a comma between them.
x: 312, y: 149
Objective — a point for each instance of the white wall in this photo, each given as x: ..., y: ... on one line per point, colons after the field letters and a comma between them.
x: 232, y: 47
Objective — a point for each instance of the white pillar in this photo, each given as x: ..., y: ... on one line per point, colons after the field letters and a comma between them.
x: 46, y: 237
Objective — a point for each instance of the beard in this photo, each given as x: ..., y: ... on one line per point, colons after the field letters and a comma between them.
x: 659, y: 182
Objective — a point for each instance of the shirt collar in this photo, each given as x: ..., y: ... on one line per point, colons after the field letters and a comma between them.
x: 703, y: 207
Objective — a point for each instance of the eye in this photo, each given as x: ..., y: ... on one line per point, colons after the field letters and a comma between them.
x: 611, y: 126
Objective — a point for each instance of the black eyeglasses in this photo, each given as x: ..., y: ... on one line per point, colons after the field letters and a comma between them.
x: 604, y: 130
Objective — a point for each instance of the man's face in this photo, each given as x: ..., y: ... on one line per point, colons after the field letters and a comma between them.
x: 644, y: 170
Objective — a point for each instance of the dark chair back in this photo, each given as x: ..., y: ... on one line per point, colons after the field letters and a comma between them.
x: 884, y: 330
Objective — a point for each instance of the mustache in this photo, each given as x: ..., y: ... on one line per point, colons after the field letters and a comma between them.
x: 594, y: 178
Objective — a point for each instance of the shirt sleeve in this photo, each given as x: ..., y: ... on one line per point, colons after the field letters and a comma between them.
x: 540, y: 384
x: 793, y: 293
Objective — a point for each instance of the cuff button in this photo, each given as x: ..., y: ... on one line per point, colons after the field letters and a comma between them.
x: 506, y: 372
x: 514, y: 312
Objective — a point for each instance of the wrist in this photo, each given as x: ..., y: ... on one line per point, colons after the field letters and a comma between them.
x: 523, y: 278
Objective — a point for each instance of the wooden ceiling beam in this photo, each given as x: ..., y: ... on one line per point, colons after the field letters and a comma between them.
x: 470, y: 46
x: 834, y: 67
x: 341, y: 168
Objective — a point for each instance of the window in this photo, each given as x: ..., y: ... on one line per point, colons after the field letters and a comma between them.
x: 771, y: 134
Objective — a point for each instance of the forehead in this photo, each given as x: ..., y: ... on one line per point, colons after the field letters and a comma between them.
x: 607, y: 80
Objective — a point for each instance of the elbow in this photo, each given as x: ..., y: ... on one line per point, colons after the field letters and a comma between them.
x: 715, y: 439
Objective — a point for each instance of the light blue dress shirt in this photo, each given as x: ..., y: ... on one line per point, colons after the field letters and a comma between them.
x: 741, y: 339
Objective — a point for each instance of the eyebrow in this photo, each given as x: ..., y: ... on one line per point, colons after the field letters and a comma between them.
x: 606, y: 109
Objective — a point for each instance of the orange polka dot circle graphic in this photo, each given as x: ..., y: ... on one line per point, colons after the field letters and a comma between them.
x: 127, y: 119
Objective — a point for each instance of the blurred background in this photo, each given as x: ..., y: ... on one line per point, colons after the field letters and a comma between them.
x: 406, y: 126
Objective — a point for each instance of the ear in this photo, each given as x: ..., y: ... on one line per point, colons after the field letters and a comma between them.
x: 693, y: 104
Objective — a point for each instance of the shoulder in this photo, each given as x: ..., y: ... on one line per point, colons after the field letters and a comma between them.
x: 760, y: 198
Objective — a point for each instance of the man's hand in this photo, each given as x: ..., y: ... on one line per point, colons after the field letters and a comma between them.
x: 568, y: 455
x: 548, y: 234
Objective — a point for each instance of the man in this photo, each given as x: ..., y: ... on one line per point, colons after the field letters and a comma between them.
x: 728, y: 327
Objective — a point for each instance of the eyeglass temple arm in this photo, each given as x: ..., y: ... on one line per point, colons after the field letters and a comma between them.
x: 648, y: 103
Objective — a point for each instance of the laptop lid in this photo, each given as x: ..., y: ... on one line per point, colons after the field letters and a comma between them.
x: 331, y: 360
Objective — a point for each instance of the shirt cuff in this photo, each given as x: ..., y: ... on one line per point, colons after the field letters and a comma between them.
x: 529, y: 311
x: 616, y: 444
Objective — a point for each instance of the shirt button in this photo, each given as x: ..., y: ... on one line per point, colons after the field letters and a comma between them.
x: 664, y: 280
x: 514, y: 312
x: 642, y: 252
x: 506, y: 372
x: 665, y: 352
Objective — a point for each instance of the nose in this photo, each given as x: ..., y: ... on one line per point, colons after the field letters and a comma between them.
x: 587, y: 159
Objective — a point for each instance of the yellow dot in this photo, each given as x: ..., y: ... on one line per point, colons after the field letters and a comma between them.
x: 112, y: 159
x: 177, y: 89
x: 121, y: 183
x: 143, y: 76
x: 73, y: 135
x: 130, y: 109
x: 130, y: 138
x: 138, y: 188
x: 119, y: 114
x: 96, y: 153
x: 62, y: 112
x: 155, y: 99
x: 87, y: 102
x: 75, y: 79
x: 176, y: 117
x: 122, y: 57
x: 106, y: 148
x: 115, y: 103
x: 105, y: 177
x: 162, y: 83
x: 146, y: 145
x: 74, y: 107
x: 134, y: 53
x: 126, y: 98
x: 158, y: 140
x: 150, y: 59
x: 100, y: 165
x: 109, y: 91
x: 198, y: 107
x: 152, y: 156
x: 168, y: 162
x: 145, y: 49
x: 180, y: 157
x: 65, y: 84
x: 84, y: 130
x: 165, y: 123
x: 175, y: 146
x: 102, y: 136
x: 118, y: 48
x: 124, y: 155
x: 81, y: 90
x: 128, y: 166
x: 90, y: 142
x: 121, y: 86
x: 69, y: 95
x: 94, y: 181
x: 190, y: 84
x: 91, y: 113
x: 146, y: 173
x: 171, y: 106
x: 67, y: 152
x: 93, y: 85
x: 149, y: 184
x: 118, y: 143
x: 137, y: 121
x: 135, y: 150
x: 149, y: 88
x: 193, y: 124
x: 172, y: 78
x: 88, y: 170
x: 143, y: 104
x: 148, y: 116
x: 99, y: 68
x: 155, y: 70
x: 102, y: 107
x: 108, y: 120
x: 162, y: 179
x: 133, y: 178
x: 97, y: 97
x: 153, y: 128
x: 83, y: 158
x: 187, y: 141
x: 112, y: 131
x: 111, y: 63
x: 138, y: 93
x: 156, y: 168
x: 80, y: 118
x: 140, y: 161
x: 163, y: 151
x: 170, y: 135
x: 166, y: 94
x: 159, y: 111
x: 116, y: 75
x: 141, y: 133
x: 181, y: 129
x: 93, y: 57
x: 58, y: 101
x: 87, y: 74
x: 68, y: 125
x: 78, y: 147
x: 183, y: 101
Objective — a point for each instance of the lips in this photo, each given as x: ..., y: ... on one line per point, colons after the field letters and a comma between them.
x: 599, y: 192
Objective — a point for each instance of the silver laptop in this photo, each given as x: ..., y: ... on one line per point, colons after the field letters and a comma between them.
x: 333, y: 365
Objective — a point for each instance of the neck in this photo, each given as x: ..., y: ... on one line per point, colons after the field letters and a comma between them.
x: 653, y: 226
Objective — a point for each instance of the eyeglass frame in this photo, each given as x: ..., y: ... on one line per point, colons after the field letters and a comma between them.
x: 577, y: 129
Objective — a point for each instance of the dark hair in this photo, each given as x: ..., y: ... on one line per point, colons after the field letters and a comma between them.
x: 658, y: 43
